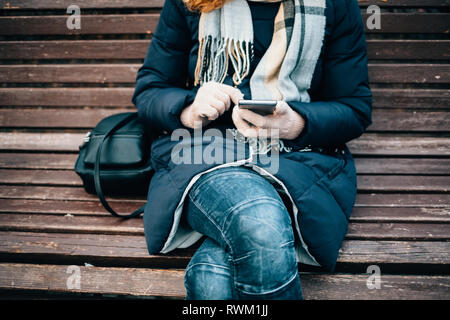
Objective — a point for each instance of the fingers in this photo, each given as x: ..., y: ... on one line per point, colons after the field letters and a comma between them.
x: 224, y: 98
x: 242, y: 125
x: 213, y: 100
x: 254, y: 118
x: 234, y: 93
x: 220, y: 95
x: 207, y: 111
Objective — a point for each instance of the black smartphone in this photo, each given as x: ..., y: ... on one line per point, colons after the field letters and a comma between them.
x: 262, y: 107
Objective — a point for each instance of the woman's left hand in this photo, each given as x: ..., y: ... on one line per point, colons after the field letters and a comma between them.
x: 284, y: 123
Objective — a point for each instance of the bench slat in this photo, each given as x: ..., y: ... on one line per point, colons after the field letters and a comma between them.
x: 146, y: 24
x: 383, y: 120
x: 69, y: 73
x: 405, y: 3
x: 377, y: 49
x: 114, y: 226
x: 408, y: 49
x: 67, y: 97
x: 424, y: 166
x: 121, y: 97
x: 368, y: 144
x: 366, y: 183
x: 58, y: 193
x: 74, y: 49
x: 94, y: 208
x: 91, y: 24
x: 40, y: 161
x: 169, y: 283
x: 409, y: 73
x: 126, y: 73
x: 412, y: 200
x: 83, y: 4
x: 420, y: 98
x: 411, y: 23
x: 100, y: 249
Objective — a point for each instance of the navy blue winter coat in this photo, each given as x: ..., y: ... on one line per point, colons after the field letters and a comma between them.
x: 322, y: 185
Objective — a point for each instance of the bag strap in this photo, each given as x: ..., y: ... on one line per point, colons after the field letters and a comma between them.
x: 97, y: 182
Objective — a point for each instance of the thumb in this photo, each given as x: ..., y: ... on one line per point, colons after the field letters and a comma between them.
x: 281, y: 108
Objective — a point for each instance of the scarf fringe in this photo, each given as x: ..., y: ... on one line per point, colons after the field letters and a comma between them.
x: 216, y: 55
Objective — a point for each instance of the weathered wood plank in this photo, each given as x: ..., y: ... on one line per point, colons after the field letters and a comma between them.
x: 94, y: 208
x: 84, y: 4
x: 409, y: 73
x: 405, y: 3
x: 74, y: 49
x: 168, y: 283
x: 412, y: 22
x: 420, y: 98
x: 69, y: 73
x: 111, y: 225
x: 400, y: 231
x: 403, y: 183
x: 377, y: 50
x: 126, y: 73
x: 400, y: 145
x: 154, y: 282
x: 399, y: 214
x: 421, y: 166
x: 368, y: 144
x: 55, y: 118
x: 407, y: 200
x: 366, y: 183
x: 101, y: 249
x: 121, y: 97
x: 91, y: 24
x: 408, y: 49
x: 38, y: 161
x: 41, y: 141
x: 71, y: 224
x: 62, y: 207
x: 343, y: 287
x: 401, y: 166
x: 66, y: 97
x: 40, y: 177
x: 55, y: 193
x: 383, y: 120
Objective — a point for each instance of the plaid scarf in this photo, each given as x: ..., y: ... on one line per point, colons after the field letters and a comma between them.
x: 286, y: 69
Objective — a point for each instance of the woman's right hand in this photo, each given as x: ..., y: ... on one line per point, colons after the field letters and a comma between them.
x: 211, y: 101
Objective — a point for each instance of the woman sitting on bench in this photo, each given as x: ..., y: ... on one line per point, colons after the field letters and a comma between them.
x: 256, y: 222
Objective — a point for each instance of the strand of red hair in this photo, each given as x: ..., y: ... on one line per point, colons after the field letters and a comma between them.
x: 203, y: 5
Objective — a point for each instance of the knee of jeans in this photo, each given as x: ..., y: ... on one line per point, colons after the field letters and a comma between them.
x: 261, y: 243
x: 260, y: 224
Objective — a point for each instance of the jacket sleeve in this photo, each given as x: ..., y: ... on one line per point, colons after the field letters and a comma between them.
x: 343, y: 110
x: 161, y: 93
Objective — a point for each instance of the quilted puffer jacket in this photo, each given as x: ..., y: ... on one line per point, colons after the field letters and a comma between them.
x: 317, y: 176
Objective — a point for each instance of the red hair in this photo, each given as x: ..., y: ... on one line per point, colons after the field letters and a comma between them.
x: 203, y: 5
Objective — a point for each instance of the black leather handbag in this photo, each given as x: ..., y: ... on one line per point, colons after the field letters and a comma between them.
x: 115, y: 159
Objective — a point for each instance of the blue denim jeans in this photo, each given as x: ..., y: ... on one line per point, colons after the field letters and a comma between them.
x: 249, y: 250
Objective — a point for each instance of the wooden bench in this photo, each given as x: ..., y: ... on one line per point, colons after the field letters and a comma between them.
x: 56, y: 84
